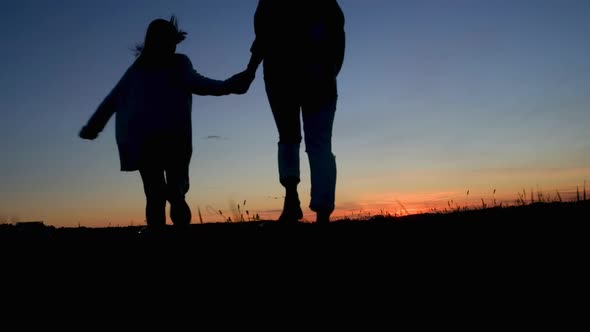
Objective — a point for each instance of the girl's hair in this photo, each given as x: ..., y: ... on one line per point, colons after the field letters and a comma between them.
x: 160, y: 32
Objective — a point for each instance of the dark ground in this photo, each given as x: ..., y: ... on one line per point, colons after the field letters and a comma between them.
x: 510, y: 260
x: 536, y: 229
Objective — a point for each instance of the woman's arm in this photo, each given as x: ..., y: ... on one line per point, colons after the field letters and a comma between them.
x: 260, y: 29
x: 255, y: 60
x: 340, y: 37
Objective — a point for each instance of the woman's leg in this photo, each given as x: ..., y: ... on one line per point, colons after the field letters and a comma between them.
x: 154, y: 187
x: 318, y: 120
x: 286, y: 113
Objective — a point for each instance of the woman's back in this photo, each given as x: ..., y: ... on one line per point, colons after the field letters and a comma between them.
x: 299, y: 31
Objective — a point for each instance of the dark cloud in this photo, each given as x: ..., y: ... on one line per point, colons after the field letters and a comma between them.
x: 214, y: 137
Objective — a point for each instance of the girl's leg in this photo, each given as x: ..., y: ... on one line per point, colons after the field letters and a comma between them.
x: 177, y: 179
x: 154, y: 187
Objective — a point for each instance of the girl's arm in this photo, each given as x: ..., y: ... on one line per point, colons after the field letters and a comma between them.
x: 105, y: 110
x: 201, y: 85
x: 101, y: 116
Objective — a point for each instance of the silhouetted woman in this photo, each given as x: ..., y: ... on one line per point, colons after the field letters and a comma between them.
x: 153, y: 102
x: 302, y: 45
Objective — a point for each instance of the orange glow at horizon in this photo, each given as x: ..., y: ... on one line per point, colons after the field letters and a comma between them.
x: 367, y: 205
x: 415, y: 203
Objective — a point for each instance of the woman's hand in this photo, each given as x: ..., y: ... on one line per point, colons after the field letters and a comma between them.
x: 86, y: 133
x: 240, y: 83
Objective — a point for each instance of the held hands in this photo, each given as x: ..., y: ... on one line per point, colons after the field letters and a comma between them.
x: 86, y: 133
x: 240, y: 83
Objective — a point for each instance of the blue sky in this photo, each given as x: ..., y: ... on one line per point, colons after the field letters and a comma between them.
x: 436, y: 98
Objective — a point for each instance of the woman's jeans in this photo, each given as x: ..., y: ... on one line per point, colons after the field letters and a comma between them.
x: 318, y: 118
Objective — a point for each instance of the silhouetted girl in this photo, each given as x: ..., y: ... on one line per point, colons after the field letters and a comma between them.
x: 153, y: 102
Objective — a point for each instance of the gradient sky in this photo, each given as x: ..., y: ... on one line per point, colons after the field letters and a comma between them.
x: 436, y: 98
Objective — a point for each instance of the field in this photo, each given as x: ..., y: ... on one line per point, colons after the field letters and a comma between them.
x: 540, y: 226
x: 534, y: 253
